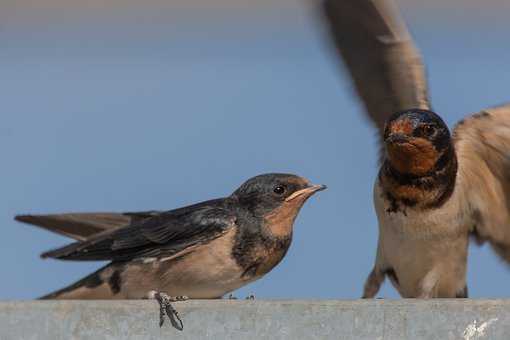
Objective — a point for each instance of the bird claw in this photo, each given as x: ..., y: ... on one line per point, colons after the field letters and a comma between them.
x: 166, y: 308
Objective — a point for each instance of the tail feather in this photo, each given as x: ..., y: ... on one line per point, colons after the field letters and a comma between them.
x: 93, y: 286
x: 78, y: 226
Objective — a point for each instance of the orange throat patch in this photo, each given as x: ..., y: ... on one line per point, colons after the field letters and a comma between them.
x: 280, y: 221
x: 416, y: 157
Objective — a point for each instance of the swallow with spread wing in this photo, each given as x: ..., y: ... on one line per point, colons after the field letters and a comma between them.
x: 202, y: 251
x: 434, y: 190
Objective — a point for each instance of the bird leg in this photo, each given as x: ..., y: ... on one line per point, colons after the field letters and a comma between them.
x: 166, y: 308
x: 373, y: 283
x: 463, y: 294
x: 250, y: 297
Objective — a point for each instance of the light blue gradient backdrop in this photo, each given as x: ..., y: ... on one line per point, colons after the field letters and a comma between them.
x: 120, y: 117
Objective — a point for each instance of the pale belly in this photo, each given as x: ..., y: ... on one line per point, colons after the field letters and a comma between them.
x: 185, y: 277
x: 206, y: 273
x: 435, y: 265
x: 426, y: 251
x: 182, y: 278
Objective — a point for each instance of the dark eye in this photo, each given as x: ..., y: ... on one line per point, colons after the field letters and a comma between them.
x: 279, y: 189
x: 428, y: 130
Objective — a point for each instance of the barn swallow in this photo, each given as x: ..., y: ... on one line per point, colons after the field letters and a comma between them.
x: 434, y: 189
x: 202, y: 251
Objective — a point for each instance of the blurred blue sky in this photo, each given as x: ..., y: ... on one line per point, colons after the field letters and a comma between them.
x: 131, y: 109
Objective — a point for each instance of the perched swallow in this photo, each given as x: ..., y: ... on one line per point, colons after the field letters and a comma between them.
x: 434, y: 190
x: 202, y: 251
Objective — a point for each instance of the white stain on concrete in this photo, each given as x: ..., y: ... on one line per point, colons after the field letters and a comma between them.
x: 473, y: 331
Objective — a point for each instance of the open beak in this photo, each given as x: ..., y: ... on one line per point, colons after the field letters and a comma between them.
x: 307, y: 192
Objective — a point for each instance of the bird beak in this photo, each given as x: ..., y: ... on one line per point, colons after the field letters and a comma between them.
x: 397, y: 138
x: 307, y: 192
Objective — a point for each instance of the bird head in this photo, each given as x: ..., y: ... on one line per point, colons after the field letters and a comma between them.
x: 415, y: 140
x: 277, y: 198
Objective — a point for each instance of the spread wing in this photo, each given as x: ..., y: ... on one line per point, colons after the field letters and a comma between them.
x: 161, y: 235
x: 482, y: 143
x: 80, y: 226
x: 380, y: 55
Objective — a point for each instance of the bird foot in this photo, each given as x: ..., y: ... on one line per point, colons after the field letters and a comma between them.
x: 249, y: 297
x: 166, y: 308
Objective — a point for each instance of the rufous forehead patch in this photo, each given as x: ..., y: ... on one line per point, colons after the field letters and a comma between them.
x: 403, y: 126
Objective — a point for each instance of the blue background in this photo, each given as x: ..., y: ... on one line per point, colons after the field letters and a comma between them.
x: 155, y: 108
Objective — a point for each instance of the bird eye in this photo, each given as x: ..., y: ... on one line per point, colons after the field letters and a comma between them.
x: 279, y: 189
x: 428, y: 130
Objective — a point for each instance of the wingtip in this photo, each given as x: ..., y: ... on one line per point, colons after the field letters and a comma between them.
x: 49, y: 254
x: 24, y: 218
x: 44, y: 255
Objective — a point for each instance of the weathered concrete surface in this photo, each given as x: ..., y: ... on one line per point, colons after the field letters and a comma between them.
x: 241, y: 319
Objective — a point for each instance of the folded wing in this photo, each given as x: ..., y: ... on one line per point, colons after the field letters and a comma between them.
x: 161, y: 235
x: 482, y: 143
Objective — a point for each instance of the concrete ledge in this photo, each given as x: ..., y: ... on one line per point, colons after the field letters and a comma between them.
x: 241, y: 319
